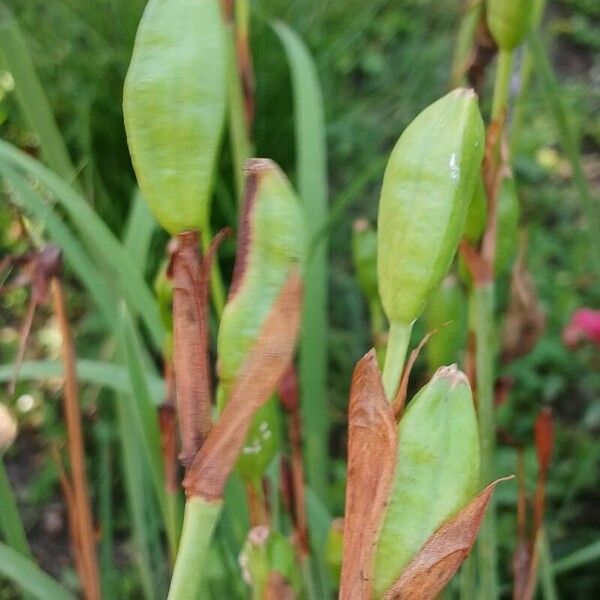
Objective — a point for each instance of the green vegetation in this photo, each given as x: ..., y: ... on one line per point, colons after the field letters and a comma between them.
x: 320, y: 175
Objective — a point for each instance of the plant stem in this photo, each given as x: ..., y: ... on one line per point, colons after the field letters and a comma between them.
x: 464, y: 42
x: 468, y: 578
x: 483, y: 305
x: 502, y: 84
x: 395, y: 356
x: 546, y: 571
x: 83, y: 513
x: 199, y: 521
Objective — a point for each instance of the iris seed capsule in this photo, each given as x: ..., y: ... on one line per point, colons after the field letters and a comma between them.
x: 509, y: 21
x: 428, y: 185
x: 437, y: 471
x: 174, y: 106
x: 271, y: 243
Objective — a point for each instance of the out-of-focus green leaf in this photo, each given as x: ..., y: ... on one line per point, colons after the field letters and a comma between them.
x: 29, y: 577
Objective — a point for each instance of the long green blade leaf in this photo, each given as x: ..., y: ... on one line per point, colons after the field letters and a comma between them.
x: 579, y: 558
x: 312, y: 184
x: 97, y: 236
x: 31, y: 96
x: 75, y: 254
x: 11, y: 524
x: 138, y: 231
x: 145, y: 417
x: 29, y: 577
x: 94, y: 372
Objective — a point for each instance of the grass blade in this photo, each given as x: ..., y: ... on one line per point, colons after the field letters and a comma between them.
x: 133, y: 470
x: 29, y: 577
x: 97, y: 236
x: 579, y: 558
x: 11, y: 524
x: 138, y: 231
x: 31, y: 96
x: 143, y: 415
x: 75, y: 254
x: 311, y: 172
x: 107, y: 375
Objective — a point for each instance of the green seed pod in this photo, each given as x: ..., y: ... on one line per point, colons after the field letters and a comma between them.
x: 508, y: 226
x: 428, y: 184
x: 271, y: 243
x: 477, y: 214
x: 509, y: 21
x: 364, y: 255
x: 446, y: 313
x: 437, y: 471
x: 174, y: 105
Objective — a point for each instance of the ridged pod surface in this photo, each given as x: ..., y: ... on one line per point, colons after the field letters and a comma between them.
x: 428, y: 185
x: 509, y: 21
x: 271, y: 242
x: 174, y: 105
x: 437, y: 471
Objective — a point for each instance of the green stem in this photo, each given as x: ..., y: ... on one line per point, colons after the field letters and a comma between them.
x: 377, y: 318
x: 465, y: 41
x: 468, y: 578
x: 483, y: 306
x: 395, y: 357
x: 199, y: 521
x: 502, y: 84
x: 238, y: 137
x: 546, y: 571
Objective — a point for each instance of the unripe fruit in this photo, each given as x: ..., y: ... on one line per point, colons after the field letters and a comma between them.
x: 428, y: 185
x: 509, y: 21
x: 446, y: 315
x: 271, y: 243
x: 437, y: 471
x: 174, y: 106
x: 364, y: 256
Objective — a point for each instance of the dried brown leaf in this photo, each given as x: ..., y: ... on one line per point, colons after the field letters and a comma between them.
x: 440, y: 557
x: 258, y: 379
x: 191, y: 275
x: 372, y: 443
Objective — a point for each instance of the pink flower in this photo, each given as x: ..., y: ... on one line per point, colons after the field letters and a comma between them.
x: 584, y: 325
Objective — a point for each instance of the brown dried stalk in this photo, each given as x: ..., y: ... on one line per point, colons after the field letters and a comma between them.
x: 81, y: 520
x: 288, y: 392
x: 257, y: 380
x: 372, y: 443
x: 190, y: 275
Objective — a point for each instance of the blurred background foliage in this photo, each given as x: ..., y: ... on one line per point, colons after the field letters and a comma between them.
x: 379, y: 63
